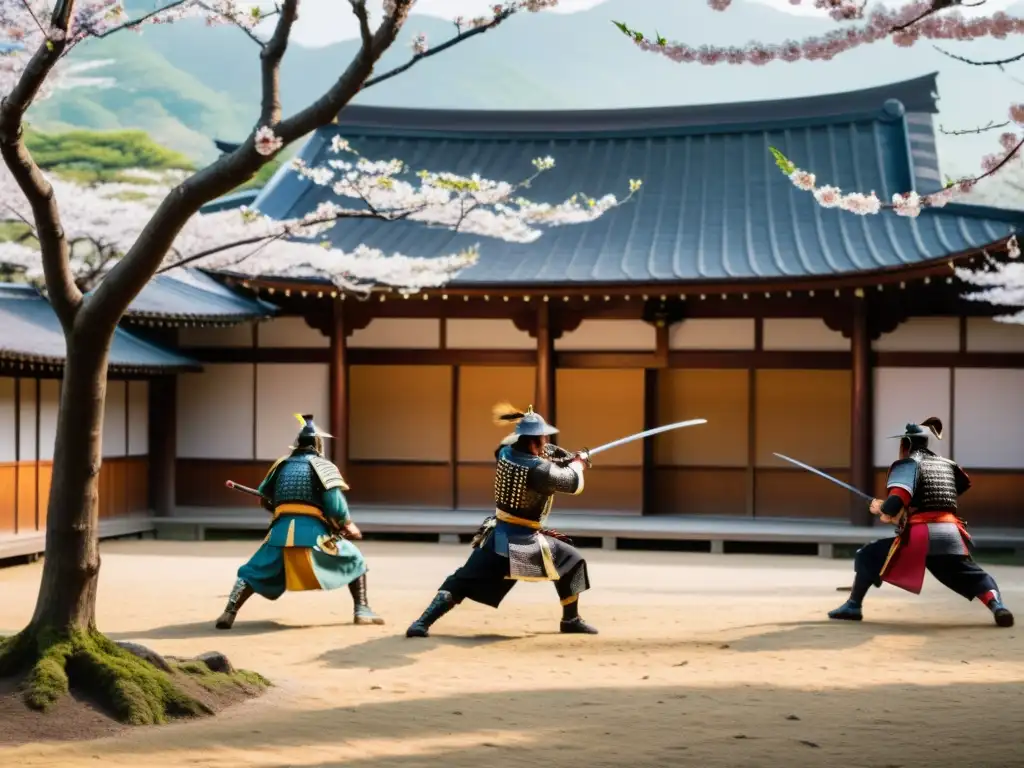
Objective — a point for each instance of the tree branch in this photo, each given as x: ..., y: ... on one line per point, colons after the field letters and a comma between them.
x: 974, y: 63
x: 110, y: 300
x: 139, y: 21
x: 270, y: 63
x: 54, y: 249
x: 992, y: 126
x: 443, y: 47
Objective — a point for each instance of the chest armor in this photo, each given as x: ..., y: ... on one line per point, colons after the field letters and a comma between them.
x: 935, y: 489
x: 512, y: 494
x: 297, y: 483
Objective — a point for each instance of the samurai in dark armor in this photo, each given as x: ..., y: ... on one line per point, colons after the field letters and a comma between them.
x: 923, y: 488
x: 513, y: 545
x: 308, y: 545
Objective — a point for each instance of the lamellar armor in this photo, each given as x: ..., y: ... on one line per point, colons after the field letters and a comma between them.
x: 524, y: 484
x: 933, y: 482
x: 302, y: 478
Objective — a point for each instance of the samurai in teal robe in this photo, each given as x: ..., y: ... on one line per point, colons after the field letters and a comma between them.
x: 309, y: 542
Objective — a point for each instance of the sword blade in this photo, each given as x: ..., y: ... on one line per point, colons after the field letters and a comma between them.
x: 828, y: 477
x: 242, y: 488
x: 648, y: 433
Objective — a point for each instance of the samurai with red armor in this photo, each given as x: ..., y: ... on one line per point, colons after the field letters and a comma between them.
x: 513, y: 545
x: 923, y: 488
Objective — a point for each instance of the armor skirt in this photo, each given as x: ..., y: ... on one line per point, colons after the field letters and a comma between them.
x: 923, y: 538
x: 273, y: 570
x: 512, y: 553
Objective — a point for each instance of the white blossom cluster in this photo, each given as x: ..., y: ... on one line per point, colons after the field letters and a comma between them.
x: 102, y: 222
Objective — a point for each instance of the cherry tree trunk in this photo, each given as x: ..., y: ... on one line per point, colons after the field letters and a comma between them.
x: 67, y: 594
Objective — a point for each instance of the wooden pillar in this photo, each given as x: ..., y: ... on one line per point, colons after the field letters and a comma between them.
x: 163, y: 444
x: 861, y: 414
x: 544, y: 399
x: 339, y: 388
x: 453, y: 434
x: 649, y: 499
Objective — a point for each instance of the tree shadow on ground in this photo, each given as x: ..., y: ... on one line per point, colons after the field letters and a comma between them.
x: 642, y: 726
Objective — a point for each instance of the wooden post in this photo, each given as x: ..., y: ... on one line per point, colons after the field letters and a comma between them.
x: 861, y: 414
x: 649, y: 498
x: 545, y: 390
x: 163, y: 444
x: 339, y: 388
x: 453, y: 435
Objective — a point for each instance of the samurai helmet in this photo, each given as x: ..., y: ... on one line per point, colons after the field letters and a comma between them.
x: 917, y: 436
x: 528, y: 423
x: 310, y: 436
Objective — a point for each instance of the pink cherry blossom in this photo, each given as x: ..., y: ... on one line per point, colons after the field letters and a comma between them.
x: 828, y: 197
x: 266, y: 142
x: 419, y: 44
x: 802, y: 180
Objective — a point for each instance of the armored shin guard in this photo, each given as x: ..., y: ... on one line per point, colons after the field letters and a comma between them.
x: 239, y: 594
x: 994, y: 602
x: 363, y: 613
x: 571, y: 623
x: 442, y: 603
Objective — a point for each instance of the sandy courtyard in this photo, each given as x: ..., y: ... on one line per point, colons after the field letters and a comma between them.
x: 702, y: 660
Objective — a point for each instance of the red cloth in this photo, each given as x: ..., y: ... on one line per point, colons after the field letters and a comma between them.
x: 906, y: 563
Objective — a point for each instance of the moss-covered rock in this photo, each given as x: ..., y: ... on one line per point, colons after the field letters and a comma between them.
x: 134, y: 684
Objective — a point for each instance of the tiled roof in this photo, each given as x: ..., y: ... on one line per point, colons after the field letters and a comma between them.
x: 713, y: 206
x: 192, y: 296
x: 32, y: 334
x: 234, y: 200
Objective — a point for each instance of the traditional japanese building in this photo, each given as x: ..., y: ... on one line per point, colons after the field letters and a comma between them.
x: 721, y: 292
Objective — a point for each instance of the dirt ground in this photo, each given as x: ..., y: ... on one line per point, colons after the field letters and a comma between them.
x: 702, y: 660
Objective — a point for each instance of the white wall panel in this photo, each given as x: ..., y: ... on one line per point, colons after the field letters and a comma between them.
x: 8, y: 420
x: 138, y: 418
x: 989, y: 418
x: 290, y: 332
x: 486, y: 333
x: 282, y: 390
x: 904, y: 395
x: 215, y: 412
x: 49, y: 409
x: 27, y: 420
x: 231, y: 336
x: 986, y: 335
x: 398, y: 333
x: 609, y: 335
x: 802, y: 334
x: 712, y: 333
x: 922, y: 334
x: 115, y: 422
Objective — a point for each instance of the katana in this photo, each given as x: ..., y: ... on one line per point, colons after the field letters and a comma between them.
x: 242, y: 488
x: 642, y: 435
x: 819, y: 473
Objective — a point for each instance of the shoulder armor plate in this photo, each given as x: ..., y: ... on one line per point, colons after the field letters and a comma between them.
x: 328, y: 473
x: 903, y: 474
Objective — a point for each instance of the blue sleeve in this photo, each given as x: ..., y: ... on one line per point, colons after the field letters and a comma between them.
x: 335, y: 506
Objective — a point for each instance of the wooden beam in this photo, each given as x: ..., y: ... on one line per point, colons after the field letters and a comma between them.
x: 545, y: 388
x: 862, y: 472
x: 163, y: 444
x: 661, y: 344
x: 338, y: 377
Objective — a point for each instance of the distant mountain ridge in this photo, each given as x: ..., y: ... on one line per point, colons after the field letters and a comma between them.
x: 186, y: 84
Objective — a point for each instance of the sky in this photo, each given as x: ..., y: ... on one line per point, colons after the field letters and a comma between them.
x: 323, y: 22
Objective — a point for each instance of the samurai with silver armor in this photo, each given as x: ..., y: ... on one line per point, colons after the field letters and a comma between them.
x: 307, y: 546
x: 923, y: 488
x: 513, y: 545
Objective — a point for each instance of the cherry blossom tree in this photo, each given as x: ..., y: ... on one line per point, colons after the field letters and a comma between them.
x: 931, y: 20
x: 94, y: 248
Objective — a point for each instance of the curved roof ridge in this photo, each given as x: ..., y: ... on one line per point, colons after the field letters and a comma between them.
x: 917, y: 95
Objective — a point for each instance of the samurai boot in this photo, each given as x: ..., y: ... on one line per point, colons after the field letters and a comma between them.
x: 239, y: 594
x: 851, y: 609
x: 363, y: 613
x: 1000, y: 612
x: 442, y: 603
x: 571, y: 623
